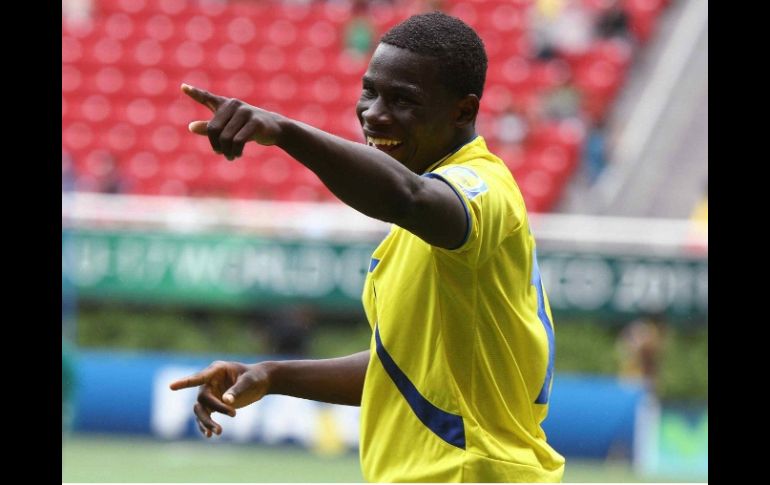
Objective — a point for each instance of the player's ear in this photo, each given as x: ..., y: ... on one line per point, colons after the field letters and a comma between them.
x: 467, y: 109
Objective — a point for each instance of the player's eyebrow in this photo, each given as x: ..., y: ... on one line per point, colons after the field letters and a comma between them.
x: 398, y: 86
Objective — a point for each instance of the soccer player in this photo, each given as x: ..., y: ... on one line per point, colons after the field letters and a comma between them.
x: 456, y: 382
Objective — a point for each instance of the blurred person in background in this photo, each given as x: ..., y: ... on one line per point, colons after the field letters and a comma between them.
x: 359, y: 31
x: 640, y: 347
x: 288, y: 331
x: 595, y: 151
x: 561, y: 27
x: 614, y: 23
x: 512, y: 125
x: 457, y: 379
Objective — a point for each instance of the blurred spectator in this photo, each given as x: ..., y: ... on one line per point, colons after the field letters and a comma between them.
x: 639, y: 348
x: 614, y: 22
x: 560, y: 27
x: 76, y: 11
x: 562, y: 101
x: 359, y: 32
x: 110, y: 181
x: 512, y: 126
x: 289, y: 331
x: 698, y: 236
x: 595, y: 152
x: 431, y: 5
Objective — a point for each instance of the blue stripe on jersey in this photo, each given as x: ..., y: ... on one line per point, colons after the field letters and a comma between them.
x: 373, y: 264
x: 542, y: 398
x: 432, y: 175
x: 449, y: 427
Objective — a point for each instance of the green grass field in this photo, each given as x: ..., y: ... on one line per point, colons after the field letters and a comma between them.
x: 90, y: 458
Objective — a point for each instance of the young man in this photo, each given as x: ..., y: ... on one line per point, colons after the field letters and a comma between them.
x: 456, y: 382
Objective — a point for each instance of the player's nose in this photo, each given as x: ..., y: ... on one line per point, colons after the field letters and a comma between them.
x: 376, y: 113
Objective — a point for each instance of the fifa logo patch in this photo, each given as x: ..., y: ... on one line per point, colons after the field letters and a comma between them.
x: 468, y: 180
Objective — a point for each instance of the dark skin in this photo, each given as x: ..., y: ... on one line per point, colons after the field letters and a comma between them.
x: 410, y: 121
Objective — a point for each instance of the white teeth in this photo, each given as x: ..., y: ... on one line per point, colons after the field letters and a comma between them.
x: 381, y: 141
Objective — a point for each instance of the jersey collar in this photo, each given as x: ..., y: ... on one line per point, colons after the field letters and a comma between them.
x: 453, y: 152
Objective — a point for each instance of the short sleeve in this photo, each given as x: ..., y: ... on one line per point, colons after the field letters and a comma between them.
x: 468, y: 185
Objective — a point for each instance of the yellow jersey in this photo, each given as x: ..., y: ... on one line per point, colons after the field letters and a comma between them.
x: 462, y: 345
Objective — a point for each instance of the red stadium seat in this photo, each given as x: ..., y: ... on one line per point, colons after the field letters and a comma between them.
x: 152, y: 82
x: 294, y: 11
x: 142, y: 165
x: 179, y: 111
x: 71, y: 78
x: 121, y: 137
x: 314, y: 115
x: 141, y: 112
x: 128, y: 6
x: 282, y: 87
x: 96, y: 108
x: 282, y: 33
x: 226, y: 172
x: 84, y: 29
x: 119, y: 26
x: 321, y: 34
x: 167, y: 138
x: 160, y: 27
x: 554, y: 159
x: 537, y: 187
x: 241, y: 30
x: 174, y: 7
x: 505, y: 18
x: 325, y: 90
x: 189, y: 54
x: 270, y: 58
x: 242, y: 85
x: 71, y: 49
x: 172, y: 188
x: 214, y: 8
x: 310, y: 60
x: 185, y: 166
x: 105, y: 51
x: 230, y: 56
x: 107, y: 80
x: 199, y: 28
x: 512, y: 156
x: 274, y: 170
x: 148, y: 52
x: 77, y: 136
x: 338, y: 13
x: 465, y: 11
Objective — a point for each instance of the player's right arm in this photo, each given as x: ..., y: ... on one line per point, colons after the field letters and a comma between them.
x: 361, y: 176
x: 226, y: 386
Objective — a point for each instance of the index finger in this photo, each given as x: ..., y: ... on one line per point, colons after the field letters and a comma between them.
x: 189, y: 381
x: 210, y: 100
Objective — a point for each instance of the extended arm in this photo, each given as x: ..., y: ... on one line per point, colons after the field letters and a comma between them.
x: 363, y: 177
x: 226, y: 386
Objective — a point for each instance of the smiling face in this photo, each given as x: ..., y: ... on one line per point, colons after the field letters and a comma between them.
x: 406, y: 112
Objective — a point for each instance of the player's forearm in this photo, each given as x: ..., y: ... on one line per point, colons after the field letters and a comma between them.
x: 336, y: 381
x: 361, y: 176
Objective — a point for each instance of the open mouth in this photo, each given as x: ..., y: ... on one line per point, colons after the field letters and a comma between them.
x: 387, y: 145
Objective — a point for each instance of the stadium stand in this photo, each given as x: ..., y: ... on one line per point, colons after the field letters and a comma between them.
x: 122, y: 67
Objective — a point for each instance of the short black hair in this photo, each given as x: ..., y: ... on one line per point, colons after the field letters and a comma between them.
x: 457, y: 47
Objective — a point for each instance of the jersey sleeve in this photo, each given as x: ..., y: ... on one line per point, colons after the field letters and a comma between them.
x: 491, y: 207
